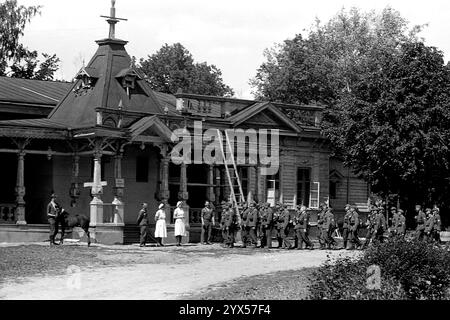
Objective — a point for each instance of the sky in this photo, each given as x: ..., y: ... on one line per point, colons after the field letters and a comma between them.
x: 231, y: 34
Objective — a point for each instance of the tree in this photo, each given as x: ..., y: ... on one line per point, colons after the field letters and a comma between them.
x: 332, y: 58
x: 17, y: 60
x: 395, y: 129
x: 173, y: 68
x: 387, y: 96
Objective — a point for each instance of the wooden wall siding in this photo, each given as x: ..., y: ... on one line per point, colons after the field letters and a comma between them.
x: 324, y: 176
x: 357, y: 189
x: 293, y: 159
x: 288, y: 177
x: 252, y: 181
x: 261, y: 186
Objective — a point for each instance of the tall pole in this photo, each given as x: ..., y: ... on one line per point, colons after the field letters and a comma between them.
x: 20, y: 188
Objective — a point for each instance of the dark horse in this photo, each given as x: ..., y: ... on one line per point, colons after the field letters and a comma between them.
x: 71, y: 221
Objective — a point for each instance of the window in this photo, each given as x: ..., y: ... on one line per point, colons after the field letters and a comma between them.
x: 129, y: 82
x: 273, y: 188
x: 303, y: 186
x: 142, y: 169
x: 333, y: 189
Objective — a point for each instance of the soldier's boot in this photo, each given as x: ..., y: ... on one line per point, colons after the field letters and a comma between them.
x: 280, y: 243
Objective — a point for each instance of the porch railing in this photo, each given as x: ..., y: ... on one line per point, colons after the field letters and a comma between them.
x: 7, y: 213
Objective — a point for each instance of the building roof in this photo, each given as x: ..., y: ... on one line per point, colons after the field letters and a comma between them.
x: 78, y: 108
x: 33, y: 92
x: 36, y: 123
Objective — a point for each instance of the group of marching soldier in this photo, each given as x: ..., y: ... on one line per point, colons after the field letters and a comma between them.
x: 259, y: 221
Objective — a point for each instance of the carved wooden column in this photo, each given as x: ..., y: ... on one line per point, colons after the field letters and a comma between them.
x: 75, y: 187
x: 183, y: 195
x: 217, y: 187
x: 251, y: 183
x: 20, y: 189
x: 217, y: 190
x: 210, y: 193
x: 260, y: 185
x: 164, y: 193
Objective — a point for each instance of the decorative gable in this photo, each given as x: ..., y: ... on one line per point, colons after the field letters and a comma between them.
x: 127, y: 77
x: 87, y: 78
x: 263, y: 114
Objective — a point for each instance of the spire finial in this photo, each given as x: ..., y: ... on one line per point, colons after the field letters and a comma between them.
x: 113, y: 20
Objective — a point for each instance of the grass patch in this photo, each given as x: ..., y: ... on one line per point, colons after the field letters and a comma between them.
x: 19, y: 262
x: 283, y: 285
x: 34, y: 260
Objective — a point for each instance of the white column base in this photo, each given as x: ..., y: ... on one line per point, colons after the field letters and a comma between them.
x: 96, y: 211
x: 118, y: 212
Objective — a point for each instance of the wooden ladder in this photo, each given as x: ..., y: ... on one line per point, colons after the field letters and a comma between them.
x: 233, y: 169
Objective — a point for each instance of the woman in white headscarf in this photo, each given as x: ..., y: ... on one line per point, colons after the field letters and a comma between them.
x: 161, y: 228
x: 180, y: 226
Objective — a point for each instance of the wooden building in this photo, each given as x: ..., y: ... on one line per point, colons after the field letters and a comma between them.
x: 103, y: 143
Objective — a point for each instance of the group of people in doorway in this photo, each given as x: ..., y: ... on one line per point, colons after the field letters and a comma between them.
x: 259, y: 222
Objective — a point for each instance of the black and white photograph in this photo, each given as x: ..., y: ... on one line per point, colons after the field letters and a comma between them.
x: 225, y: 151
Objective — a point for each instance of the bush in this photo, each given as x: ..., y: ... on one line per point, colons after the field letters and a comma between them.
x: 345, y: 279
x: 409, y: 270
x: 422, y: 268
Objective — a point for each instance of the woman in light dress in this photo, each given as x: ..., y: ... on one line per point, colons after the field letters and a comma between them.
x: 180, y: 226
x: 161, y: 228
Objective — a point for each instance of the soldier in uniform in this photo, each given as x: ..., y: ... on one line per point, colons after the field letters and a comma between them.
x: 380, y: 225
x: 429, y: 225
x: 354, y: 225
x: 301, y: 221
x: 223, y: 218
x: 244, y: 228
x: 370, y: 223
x: 401, y: 224
x: 235, y: 224
x: 278, y: 223
x: 266, y: 215
x: 207, y: 216
x: 143, y: 223
x: 436, y: 233
x: 285, y: 221
x: 252, y: 224
x: 394, y: 222
x: 346, y: 225
x: 329, y: 226
x: 320, y: 218
x: 53, y: 214
x: 230, y: 225
x: 420, y: 220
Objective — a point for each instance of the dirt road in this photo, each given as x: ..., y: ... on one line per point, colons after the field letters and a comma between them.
x: 172, y: 274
